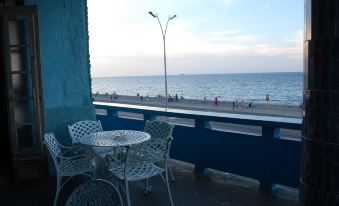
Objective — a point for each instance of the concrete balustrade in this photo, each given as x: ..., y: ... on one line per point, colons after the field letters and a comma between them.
x: 267, y: 157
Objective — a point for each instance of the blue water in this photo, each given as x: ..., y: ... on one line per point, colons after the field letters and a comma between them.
x: 283, y: 88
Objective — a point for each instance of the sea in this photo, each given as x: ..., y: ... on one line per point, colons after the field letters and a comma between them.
x: 282, y: 88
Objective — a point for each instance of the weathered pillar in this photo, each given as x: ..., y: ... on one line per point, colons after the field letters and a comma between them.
x: 319, y: 184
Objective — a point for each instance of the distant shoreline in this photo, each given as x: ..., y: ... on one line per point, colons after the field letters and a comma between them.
x: 265, y: 109
x: 161, y: 75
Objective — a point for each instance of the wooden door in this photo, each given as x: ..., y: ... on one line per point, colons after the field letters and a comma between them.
x: 23, y: 93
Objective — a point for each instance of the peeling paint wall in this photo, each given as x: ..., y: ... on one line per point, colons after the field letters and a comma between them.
x: 64, y: 64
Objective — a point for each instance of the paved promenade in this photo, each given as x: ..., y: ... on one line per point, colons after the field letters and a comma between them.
x: 208, y: 105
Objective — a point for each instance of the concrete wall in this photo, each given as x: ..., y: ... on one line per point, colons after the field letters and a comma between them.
x: 64, y: 63
x: 267, y: 157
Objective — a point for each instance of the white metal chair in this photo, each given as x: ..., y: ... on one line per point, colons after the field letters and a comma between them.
x: 161, y: 130
x: 95, y: 193
x: 82, y: 128
x: 67, y: 162
x: 138, y: 163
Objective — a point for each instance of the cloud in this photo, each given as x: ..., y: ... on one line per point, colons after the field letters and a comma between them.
x: 233, y: 37
x: 122, y: 47
x: 227, y: 2
x: 225, y: 32
x: 200, y: 63
x: 138, y: 50
x: 267, y: 4
x: 146, y: 40
x: 296, y: 38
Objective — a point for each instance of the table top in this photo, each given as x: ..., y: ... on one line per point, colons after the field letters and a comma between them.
x: 115, y: 138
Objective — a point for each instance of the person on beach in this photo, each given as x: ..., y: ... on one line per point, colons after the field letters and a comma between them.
x: 141, y: 99
x: 181, y: 97
x: 233, y: 105
x: 216, y: 102
x: 267, y: 98
x: 176, y: 97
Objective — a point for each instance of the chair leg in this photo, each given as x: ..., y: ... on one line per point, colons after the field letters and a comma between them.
x: 93, y: 175
x: 168, y: 188
x: 146, y: 186
x: 127, y: 193
x: 170, y: 169
x: 58, y: 184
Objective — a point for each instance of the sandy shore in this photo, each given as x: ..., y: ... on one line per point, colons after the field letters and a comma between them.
x: 208, y: 105
x: 200, y: 105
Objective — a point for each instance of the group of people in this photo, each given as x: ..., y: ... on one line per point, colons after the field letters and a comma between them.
x: 235, y: 104
x: 242, y: 104
x: 141, y: 97
x: 114, y: 96
x: 176, y: 98
x: 170, y: 98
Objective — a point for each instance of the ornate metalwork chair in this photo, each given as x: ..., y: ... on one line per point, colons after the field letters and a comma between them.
x: 138, y: 163
x: 161, y: 130
x: 82, y: 128
x: 95, y: 193
x: 68, y: 162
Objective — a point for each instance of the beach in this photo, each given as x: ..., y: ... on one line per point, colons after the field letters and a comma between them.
x: 265, y: 109
x: 208, y: 105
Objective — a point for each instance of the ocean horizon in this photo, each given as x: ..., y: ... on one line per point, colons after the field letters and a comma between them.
x: 284, y: 88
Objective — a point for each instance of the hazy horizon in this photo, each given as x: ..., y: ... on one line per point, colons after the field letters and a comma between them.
x: 220, y: 36
x: 156, y: 75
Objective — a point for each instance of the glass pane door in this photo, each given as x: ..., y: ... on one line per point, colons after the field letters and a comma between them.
x: 23, y: 81
x: 23, y: 93
x: 21, y: 88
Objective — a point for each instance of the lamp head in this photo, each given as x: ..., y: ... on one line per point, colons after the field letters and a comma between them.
x: 172, y: 17
x: 151, y: 13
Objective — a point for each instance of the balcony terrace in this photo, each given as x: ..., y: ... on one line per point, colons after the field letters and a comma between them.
x: 214, y: 188
x: 267, y: 158
x: 263, y: 160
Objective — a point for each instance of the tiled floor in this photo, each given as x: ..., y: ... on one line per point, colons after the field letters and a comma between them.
x: 189, y: 189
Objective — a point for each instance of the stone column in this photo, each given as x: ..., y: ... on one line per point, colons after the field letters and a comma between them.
x: 319, y: 184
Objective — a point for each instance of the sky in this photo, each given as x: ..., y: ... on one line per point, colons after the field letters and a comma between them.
x: 206, y: 37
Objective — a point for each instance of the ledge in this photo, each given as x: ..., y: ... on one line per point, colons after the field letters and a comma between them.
x: 255, y: 120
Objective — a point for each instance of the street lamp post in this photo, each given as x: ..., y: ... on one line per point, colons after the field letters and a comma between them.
x: 164, y: 41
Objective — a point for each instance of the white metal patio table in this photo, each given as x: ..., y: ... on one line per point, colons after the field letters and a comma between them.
x: 116, y: 138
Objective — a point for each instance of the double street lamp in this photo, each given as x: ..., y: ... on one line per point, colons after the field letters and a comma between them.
x: 164, y: 41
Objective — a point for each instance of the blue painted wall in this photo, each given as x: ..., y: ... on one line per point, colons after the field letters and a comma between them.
x: 64, y: 63
x: 269, y: 159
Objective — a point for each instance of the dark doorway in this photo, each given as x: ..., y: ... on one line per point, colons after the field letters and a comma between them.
x: 5, y: 152
x: 21, y: 95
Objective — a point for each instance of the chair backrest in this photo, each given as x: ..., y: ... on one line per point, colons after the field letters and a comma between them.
x: 158, y: 129
x: 53, y: 148
x: 154, y: 150
x: 79, y: 129
x: 52, y: 144
x: 94, y: 193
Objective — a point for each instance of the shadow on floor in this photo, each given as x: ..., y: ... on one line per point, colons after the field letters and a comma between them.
x: 189, y: 189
